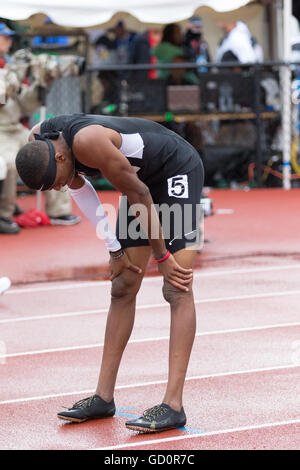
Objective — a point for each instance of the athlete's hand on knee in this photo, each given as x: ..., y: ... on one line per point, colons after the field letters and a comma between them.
x: 118, y: 265
x: 177, y: 276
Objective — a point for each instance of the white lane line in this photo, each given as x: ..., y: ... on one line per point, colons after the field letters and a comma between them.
x: 55, y: 287
x: 146, y: 340
x: 201, y: 435
x: 149, y: 279
x: 157, y: 382
x: 150, y: 306
x: 55, y: 315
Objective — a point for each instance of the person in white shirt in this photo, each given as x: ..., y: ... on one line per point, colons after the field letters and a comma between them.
x: 238, y: 45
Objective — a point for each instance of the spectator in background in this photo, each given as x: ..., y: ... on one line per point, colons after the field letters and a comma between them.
x: 238, y: 136
x: 104, y: 49
x: 110, y: 98
x: 238, y: 45
x: 140, y: 53
x: 6, y: 40
x: 258, y: 50
x: 13, y: 136
x: 196, y: 48
x: 113, y: 46
x: 171, y: 46
x: 122, y: 42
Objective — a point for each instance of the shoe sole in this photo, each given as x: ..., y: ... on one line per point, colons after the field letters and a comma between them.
x: 73, y: 420
x: 78, y: 421
x: 149, y: 430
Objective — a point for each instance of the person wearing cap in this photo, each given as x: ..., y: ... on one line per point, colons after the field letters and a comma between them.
x: 13, y: 135
x: 196, y: 48
x: 122, y: 43
x: 6, y: 39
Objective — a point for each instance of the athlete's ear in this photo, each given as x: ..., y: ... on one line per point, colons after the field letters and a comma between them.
x: 60, y: 157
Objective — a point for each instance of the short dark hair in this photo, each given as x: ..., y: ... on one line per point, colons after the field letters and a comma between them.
x: 168, y: 32
x: 32, y: 162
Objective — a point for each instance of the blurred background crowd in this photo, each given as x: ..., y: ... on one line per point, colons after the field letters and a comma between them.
x: 202, y: 89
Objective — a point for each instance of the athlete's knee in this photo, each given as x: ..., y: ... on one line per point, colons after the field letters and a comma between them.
x: 126, y: 285
x: 173, y: 295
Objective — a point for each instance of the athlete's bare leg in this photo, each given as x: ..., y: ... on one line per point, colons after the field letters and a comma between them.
x: 120, y: 320
x: 182, y: 332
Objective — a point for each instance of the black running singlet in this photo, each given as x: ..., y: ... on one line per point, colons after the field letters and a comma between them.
x: 165, y: 153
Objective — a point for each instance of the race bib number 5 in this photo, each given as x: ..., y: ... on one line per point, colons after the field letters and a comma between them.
x: 178, y: 186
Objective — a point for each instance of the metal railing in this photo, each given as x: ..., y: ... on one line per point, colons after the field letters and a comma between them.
x: 248, y: 101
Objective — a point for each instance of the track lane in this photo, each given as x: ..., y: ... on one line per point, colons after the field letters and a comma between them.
x: 215, y: 404
x: 88, y: 329
x: 258, y: 398
x: 210, y: 283
x: 145, y: 362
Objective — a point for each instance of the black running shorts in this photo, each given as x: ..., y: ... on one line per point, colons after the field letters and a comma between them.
x: 177, y: 201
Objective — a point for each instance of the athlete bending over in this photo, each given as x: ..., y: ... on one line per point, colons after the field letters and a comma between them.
x: 149, y: 165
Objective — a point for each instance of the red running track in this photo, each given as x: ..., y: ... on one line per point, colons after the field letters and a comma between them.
x: 242, y: 384
x: 241, y: 234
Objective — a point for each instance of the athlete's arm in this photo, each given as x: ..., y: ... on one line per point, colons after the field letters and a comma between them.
x: 94, y: 148
x: 89, y: 203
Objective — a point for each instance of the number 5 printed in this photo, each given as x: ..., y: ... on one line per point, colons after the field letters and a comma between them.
x: 178, y: 186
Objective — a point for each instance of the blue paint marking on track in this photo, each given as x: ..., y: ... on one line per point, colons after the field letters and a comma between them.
x: 120, y: 412
x: 126, y: 415
x: 192, y: 430
x: 123, y: 408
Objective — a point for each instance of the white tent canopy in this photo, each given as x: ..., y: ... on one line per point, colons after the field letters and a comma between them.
x: 78, y: 13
